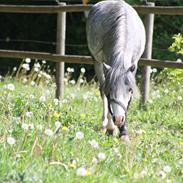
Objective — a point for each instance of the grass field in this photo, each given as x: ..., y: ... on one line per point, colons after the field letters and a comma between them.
x: 44, y: 140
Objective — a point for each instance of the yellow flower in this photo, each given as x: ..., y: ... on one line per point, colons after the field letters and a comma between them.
x: 181, y: 143
x: 65, y: 129
x: 88, y: 173
x: 83, y: 115
x: 56, y: 115
x: 72, y: 165
x: 97, y: 93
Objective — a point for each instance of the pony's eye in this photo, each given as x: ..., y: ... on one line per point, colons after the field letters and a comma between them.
x: 130, y: 90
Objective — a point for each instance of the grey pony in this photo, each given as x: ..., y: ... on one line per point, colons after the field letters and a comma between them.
x: 116, y: 40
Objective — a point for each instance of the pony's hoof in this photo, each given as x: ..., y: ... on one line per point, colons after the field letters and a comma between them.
x: 104, y: 130
x: 125, y: 139
x: 114, y: 132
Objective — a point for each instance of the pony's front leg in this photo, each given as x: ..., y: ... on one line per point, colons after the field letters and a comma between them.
x: 111, y: 127
x: 105, y: 111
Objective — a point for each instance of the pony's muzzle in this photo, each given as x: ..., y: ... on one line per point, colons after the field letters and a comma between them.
x: 119, y: 120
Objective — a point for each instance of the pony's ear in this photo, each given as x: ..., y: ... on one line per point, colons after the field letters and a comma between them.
x: 106, y: 67
x: 131, y: 68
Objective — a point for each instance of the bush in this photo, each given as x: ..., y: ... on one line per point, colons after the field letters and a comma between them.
x: 174, y: 75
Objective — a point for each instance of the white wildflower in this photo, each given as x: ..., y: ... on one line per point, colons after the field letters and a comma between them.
x: 83, y: 70
x: 37, y: 65
x: 33, y: 83
x: 48, y: 132
x: 14, y: 69
x: 28, y: 114
x: 31, y: 96
x: 47, y: 92
x: 10, y: 87
x: 24, y: 80
x: 81, y: 81
x: 154, y: 70
x: 26, y: 67
x: 179, y: 98
x: 167, y: 169
x: 44, y: 61
x: 94, y: 160
x: 25, y: 126
x: 179, y: 60
x: 81, y: 172
x: 70, y: 69
x: 11, y: 140
x: 56, y: 101
x: 101, y: 156
x: 79, y: 136
x: 42, y: 99
x: 57, y: 124
x: 72, y: 82
x: 162, y: 174
x: 28, y: 60
x: 36, y: 69
x: 94, y: 144
x: 48, y: 76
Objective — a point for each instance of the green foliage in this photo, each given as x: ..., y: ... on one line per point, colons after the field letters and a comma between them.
x: 177, y: 45
x: 175, y: 76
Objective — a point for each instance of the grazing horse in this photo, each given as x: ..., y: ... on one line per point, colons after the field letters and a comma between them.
x: 116, y: 40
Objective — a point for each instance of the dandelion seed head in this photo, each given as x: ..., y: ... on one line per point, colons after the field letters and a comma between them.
x: 101, y: 156
x: 82, y: 172
x: 83, y: 70
x: 48, y: 132
x: 11, y: 141
x: 42, y: 99
x: 94, y: 160
x: 56, y: 101
x: 25, y: 126
x: 33, y: 83
x: 29, y: 114
x: 57, y: 124
x: 79, y: 135
x: 37, y: 65
x: 28, y: 60
x: 179, y: 98
x: 10, y: 87
x: 94, y: 143
x: 26, y: 67
x: 167, y: 169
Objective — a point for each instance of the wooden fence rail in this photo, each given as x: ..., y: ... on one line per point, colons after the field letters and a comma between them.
x: 158, y: 10
x: 76, y: 59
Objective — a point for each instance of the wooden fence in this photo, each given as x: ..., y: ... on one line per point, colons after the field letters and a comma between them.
x: 150, y: 10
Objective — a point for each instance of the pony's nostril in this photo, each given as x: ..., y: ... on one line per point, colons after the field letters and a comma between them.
x: 119, y: 120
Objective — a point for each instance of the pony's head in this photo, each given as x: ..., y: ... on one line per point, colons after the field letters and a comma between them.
x: 118, y: 87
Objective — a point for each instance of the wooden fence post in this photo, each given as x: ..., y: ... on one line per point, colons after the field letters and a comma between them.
x: 149, y: 26
x: 60, y: 49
